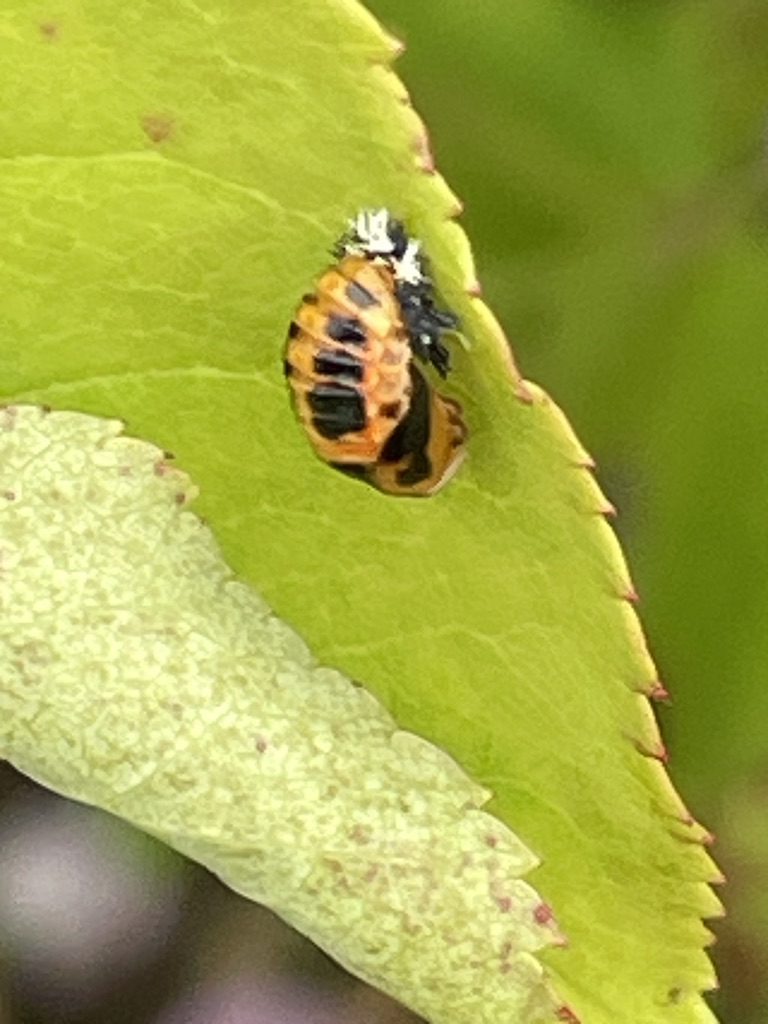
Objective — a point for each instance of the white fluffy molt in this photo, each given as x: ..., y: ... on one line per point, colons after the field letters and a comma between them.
x: 370, y: 234
x: 372, y: 229
x: 408, y: 267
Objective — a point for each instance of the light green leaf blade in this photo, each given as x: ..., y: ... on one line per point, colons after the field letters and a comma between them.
x: 173, y: 176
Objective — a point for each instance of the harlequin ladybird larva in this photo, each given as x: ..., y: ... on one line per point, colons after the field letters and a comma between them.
x: 366, y: 407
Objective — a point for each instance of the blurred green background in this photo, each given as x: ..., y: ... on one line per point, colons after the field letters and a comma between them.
x: 611, y: 155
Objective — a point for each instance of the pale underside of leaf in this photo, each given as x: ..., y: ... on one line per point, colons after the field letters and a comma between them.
x: 139, y: 675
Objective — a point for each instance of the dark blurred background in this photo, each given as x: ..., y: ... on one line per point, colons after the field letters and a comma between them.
x: 611, y: 155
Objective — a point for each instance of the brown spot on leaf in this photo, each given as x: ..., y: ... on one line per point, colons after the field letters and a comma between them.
x: 565, y: 1013
x: 360, y: 834
x: 158, y: 127
x: 425, y: 159
x: 51, y: 30
x: 542, y: 914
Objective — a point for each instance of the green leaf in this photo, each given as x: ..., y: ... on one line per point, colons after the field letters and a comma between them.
x: 172, y: 177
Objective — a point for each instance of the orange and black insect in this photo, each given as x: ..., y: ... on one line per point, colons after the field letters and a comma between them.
x: 366, y: 407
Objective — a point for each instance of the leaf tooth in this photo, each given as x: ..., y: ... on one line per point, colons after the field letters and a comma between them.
x: 658, y: 752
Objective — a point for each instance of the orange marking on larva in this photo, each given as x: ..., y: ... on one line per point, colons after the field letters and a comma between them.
x: 444, y: 448
x: 384, y: 355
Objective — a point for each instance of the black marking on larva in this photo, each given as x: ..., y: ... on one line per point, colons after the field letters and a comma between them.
x: 310, y: 299
x: 391, y: 410
x: 287, y: 368
x: 345, y: 328
x: 361, y: 297
x: 425, y: 323
x: 337, y: 409
x: 411, y: 436
x: 333, y: 362
x: 399, y: 238
x: 294, y: 330
x: 354, y: 469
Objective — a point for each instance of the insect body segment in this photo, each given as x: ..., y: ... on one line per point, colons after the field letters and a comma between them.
x: 348, y: 358
x: 382, y: 239
x: 427, y: 447
x: 365, y: 406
